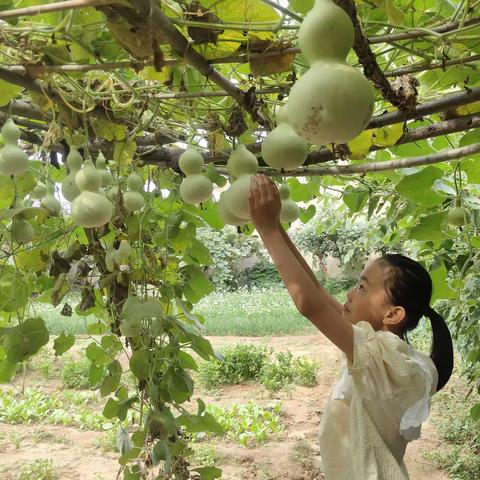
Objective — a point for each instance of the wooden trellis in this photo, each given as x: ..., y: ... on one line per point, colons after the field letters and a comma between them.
x: 254, y: 95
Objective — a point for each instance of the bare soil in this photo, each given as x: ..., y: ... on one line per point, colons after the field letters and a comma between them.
x: 76, y: 454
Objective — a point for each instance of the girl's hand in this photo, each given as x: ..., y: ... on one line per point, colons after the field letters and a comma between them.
x: 264, y: 203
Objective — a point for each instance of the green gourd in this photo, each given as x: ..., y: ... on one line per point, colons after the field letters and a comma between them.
x: 39, y: 191
x: 333, y: 102
x: 50, y: 203
x: 283, y: 148
x: 195, y: 187
x: 91, y: 208
x: 74, y: 161
x: 21, y: 231
x: 13, y: 160
x: 242, y: 166
x: 457, y: 216
x: 226, y: 215
x: 289, y: 211
x: 133, y: 199
x: 101, y: 164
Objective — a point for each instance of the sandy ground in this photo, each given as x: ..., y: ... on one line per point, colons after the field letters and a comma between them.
x: 75, y: 454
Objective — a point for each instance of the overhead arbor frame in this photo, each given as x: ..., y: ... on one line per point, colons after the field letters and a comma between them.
x: 152, y: 74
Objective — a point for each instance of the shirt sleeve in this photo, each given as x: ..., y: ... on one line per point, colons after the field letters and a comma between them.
x: 385, y: 368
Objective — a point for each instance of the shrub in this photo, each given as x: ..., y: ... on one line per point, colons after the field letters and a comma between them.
x: 74, y: 374
x: 240, y: 363
x: 262, y: 274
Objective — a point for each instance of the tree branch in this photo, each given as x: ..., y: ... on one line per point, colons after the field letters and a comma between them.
x: 53, y: 7
x: 447, y: 156
x: 284, y: 10
x: 431, y: 66
x: 182, y: 46
x: 418, y: 32
x: 369, y: 62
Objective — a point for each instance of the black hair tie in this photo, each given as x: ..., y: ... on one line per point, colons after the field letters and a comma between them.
x: 430, y: 312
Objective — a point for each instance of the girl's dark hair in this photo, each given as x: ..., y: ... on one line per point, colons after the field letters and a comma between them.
x: 409, y: 286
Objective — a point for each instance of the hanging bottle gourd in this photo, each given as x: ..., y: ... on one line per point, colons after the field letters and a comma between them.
x: 51, y: 203
x: 107, y: 178
x: 70, y: 191
x: 332, y: 102
x: 133, y: 199
x: 13, y: 160
x: 226, y: 215
x: 242, y: 165
x: 290, y: 211
x: 283, y: 148
x: 39, y: 191
x: 21, y: 231
x: 91, y: 208
x: 195, y: 188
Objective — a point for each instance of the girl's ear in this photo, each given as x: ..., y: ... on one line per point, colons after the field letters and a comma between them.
x: 394, y: 316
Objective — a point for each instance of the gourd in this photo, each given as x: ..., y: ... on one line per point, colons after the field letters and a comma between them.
x: 283, y: 148
x: 13, y: 160
x: 39, y: 191
x: 133, y: 199
x: 457, y: 216
x: 226, y: 215
x: 332, y: 102
x: 290, y: 211
x: 118, y: 256
x: 21, y: 231
x: 195, y: 187
x: 91, y: 208
x: 69, y: 187
x: 242, y: 165
x: 107, y: 177
x: 50, y: 203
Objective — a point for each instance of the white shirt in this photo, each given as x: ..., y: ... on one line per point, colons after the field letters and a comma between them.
x: 376, y: 406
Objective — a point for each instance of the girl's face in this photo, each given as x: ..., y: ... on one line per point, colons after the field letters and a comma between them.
x: 368, y: 301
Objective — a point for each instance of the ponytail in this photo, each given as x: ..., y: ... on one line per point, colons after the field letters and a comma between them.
x: 442, y: 348
x: 409, y: 285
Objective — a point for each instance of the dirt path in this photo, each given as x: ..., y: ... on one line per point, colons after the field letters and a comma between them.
x: 296, y: 457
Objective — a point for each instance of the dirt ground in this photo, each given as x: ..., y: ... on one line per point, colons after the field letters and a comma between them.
x: 75, y: 454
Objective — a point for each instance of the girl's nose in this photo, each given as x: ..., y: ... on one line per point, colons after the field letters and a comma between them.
x: 350, y: 295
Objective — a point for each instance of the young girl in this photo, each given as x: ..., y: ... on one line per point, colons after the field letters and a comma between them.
x: 383, y: 392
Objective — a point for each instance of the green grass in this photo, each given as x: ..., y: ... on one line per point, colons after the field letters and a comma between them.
x: 257, y: 312
x: 56, y: 322
x: 253, y: 313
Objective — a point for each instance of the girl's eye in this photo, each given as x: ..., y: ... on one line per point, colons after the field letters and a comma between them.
x: 360, y: 287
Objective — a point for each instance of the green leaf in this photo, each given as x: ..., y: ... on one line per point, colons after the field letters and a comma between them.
x: 95, y: 374
x: 475, y: 412
x: 472, y: 168
x: 306, y: 214
x: 161, y: 452
x: 302, y: 6
x: 473, y: 136
x: 97, y: 354
x: 14, y: 291
x: 198, y: 283
x: 355, y: 198
x: 186, y: 360
x: 110, y: 384
x: 417, y: 187
x: 360, y: 145
x: 7, y: 370
x: 441, y: 289
x: 123, y: 152
x: 139, y: 363
x: 63, y: 343
x: 109, y: 130
x: 208, y: 473
x: 8, y: 91
x: 200, y: 252
x: 429, y: 228
x: 26, y: 339
x: 60, y: 289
